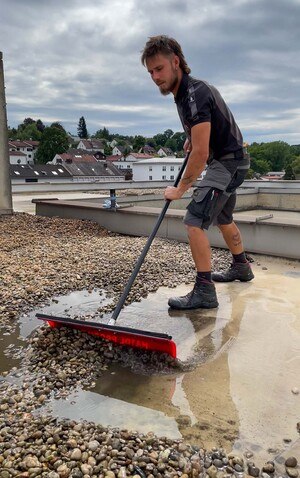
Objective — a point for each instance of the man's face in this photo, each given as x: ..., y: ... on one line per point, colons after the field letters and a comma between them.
x: 165, y: 72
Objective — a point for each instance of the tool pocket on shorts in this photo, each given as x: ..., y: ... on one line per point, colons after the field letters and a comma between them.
x: 216, y: 176
x: 237, y: 180
x: 203, y: 204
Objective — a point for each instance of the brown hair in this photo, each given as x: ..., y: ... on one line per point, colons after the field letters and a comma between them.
x: 166, y: 46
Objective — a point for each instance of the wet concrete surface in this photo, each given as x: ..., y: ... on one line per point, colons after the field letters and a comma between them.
x: 240, y: 390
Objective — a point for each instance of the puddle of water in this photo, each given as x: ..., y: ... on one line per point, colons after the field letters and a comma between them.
x: 247, y: 363
x: 113, y: 412
x: 76, y: 303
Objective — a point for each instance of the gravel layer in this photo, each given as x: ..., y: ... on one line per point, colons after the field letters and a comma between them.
x: 42, y: 257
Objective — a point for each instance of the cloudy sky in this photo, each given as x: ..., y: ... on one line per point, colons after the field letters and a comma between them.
x: 69, y: 58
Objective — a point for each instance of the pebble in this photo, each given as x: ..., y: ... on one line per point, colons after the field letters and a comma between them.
x: 291, y: 462
x: 56, y: 361
x: 292, y: 472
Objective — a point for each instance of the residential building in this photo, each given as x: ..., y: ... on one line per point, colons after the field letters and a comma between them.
x: 73, y: 156
x: 156, y: 169
x: 165, y: 152
x: 148, y: 150
x: 17, y: 157
x: 92, y: 145
x: 126, y: 162
x: 118, y: 150
x: 27, y: 147
x: 100, y: 171
x: 34, y: 173
x: 273, y: 175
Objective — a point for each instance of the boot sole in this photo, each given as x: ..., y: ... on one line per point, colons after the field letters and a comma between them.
x: 232, y: 280
x: 214, y: 305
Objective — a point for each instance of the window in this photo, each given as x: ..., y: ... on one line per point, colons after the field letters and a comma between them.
x: 172, y: 168
x: 19, y: 161
x: 178, y: 168
x: 55, y: 173
x: 150, y: 168
x: 35, y: 172
x: 172, y: 177
x: 128, y: 166
x: 164, y: 168
x: 17, y: 172
x: 163, y: 177
x: 150, y: 178
x: 60, y: 170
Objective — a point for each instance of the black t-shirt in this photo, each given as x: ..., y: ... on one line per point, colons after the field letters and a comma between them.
x: 198, y: 102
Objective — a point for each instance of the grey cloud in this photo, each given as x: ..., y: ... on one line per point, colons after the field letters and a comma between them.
x: 62, y: 59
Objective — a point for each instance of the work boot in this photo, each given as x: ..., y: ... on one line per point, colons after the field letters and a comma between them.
x: 238, y: 271
x: 203, y: 296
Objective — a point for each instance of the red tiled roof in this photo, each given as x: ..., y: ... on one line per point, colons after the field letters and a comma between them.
x: 114, y: 157
x: 141, y: 155
x: 18, y: 144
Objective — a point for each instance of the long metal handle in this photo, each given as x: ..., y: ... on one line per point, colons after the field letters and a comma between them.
x: 146, y: 247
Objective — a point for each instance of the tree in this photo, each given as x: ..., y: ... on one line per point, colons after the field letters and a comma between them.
x: 102, y: 134
x: 179, y: 138
x: 57, y: 125
x: 54, y: 141
x: 296, y: 165
x: 30, y: 132
x: 260, y: 165
x: 82, y: 129
x: 289, y: 173
x: 40, y: 125
x: 276, y: 153
x: 138, y: 142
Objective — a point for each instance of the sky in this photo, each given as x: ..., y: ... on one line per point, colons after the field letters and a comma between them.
x: 64, y: 59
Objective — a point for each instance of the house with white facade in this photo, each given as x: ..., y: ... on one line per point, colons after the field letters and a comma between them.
x: 156, y: 169
x: 118, y: 150
x: 27, y: 147
x: 91, y: 145
x: 165, y: 152
x: 17, y: 157
x: 126, y: 162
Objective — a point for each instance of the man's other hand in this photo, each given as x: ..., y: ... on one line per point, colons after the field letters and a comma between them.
x: 172, y: 193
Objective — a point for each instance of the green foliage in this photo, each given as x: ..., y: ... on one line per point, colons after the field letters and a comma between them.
x: 277, y: 154
x: 107, y: 150
x: 289, y: 173
x: 296, y: 165
x: 250, y: 174
x: 28, y: 130
x: 138, y: 143
x: 54, y: 141
x: 57, y: 125
x: 260, y: 166
x: 82, y: 129
x: 103, y: 134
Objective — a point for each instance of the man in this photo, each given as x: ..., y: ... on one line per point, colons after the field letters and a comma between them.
x: 213, y: 138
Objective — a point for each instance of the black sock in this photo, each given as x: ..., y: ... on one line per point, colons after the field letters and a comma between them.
x: 240, y: 258
x: 203, y: 277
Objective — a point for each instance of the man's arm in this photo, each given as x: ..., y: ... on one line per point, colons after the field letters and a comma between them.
x: 200, y: 135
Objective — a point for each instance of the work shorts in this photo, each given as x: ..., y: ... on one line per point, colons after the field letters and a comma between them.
x: 213, y: 201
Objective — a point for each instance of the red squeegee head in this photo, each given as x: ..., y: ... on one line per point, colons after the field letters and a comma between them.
x: 125, y: 336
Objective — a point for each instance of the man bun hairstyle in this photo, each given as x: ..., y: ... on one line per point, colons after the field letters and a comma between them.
x: 166, y: 46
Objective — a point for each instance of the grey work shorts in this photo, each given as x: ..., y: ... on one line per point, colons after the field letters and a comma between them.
x: 214, y: 199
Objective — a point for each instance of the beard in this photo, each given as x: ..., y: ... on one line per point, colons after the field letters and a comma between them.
x: 166, y: 90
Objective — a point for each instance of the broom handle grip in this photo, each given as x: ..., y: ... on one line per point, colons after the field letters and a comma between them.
x: 147, y: 246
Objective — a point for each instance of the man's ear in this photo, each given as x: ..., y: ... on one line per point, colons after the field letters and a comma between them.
x: 176, y: 61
